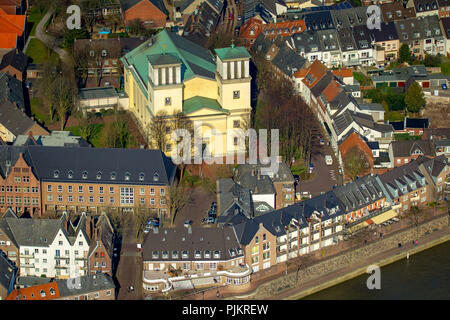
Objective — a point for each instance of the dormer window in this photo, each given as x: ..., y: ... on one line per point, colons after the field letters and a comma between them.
x: 156, y: 177
x: 113, y: 176
x: 141, y: 176
x: 104, y: 53
x: 70, y: 174
x: 184, y: 254
x: 155, y: 254
x: 99, y: 175
x: 207, y: 254
x: 217, y: 254
x: 127, y: 176
x: 84, y: 175
x: 52, y: 291
x: 56, y: 174
x: 165, y: 255
x: 174, y: 254
x: 42, y: 293
x: 198, y: 254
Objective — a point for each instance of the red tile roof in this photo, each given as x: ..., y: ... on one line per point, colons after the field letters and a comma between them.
x: 332, y: 90
x: 316, y: 71
x: 301, y: 73
x: 34, y: 292
x: 256, y: 26
x: 344, y: 72
x: 11, y: 27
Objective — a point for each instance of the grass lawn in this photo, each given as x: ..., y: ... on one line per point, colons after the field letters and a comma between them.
x: 33, y: 20
x: 396, y: 115
x: 445, y: 68
x: 39, y: 52
x: 95, y: 140
x: 406, y: 136
x: 39, y: 111
x: 362, y: 79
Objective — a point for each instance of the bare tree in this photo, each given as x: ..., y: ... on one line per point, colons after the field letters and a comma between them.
x: 355, y: 162
x: 181, y: 121
x: 118, y: 220
x: 158, y: 128
x: 179, y: 196
x: 413, y: 215
x: 141, y: 217
x: 64, y: 97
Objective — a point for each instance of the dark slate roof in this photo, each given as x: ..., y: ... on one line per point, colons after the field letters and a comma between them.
x: 373, y: 145
x: 16, y: 59
x: 217, y: 5
x: 8, y: 272
x: 191, y: 240
x: 46, y: 160
x: 359, y: 193
x: 318, y: 20
x: 346, y: 40
x: 322, y: 84
x: 397, y: 125
x: 11, y: 90
x: 261, y: 45
x: 127, y: 4
x: 417, y: 28
x: 326, y: 204
x: 425, y: 5
x: 349, y: 17
x: 434, y: 166
x: 185, y: 4
x: 446, y: 26
x: 200, y: 26
x: 34, y: 232
x: 387, y: 32
x: 405, y: 148
x: 88, y: 284
x: 14, y: 119
x: 233, y: 199
x: 288, y: 61
x: 417, y: 123
x: 402, y: 177
x: 4, y: 226
x: 115, y: 47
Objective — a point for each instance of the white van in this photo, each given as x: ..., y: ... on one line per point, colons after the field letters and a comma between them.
x: 328, y: 160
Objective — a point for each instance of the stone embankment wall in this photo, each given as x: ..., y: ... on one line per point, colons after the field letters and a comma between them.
x: 344, y: 262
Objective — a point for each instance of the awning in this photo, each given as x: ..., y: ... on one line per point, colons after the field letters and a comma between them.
x: 384, y: 216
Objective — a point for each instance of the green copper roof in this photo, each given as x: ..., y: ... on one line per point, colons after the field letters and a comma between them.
x: 196, y: 103
x: 195, y: 60
x: 163, y: 59
x: 232, y: 53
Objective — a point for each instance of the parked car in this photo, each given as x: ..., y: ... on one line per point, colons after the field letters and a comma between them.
x: 187, y: 223
x: 239, y: 18
x: 210, y: 220
x: 322, y: 141
x: 230, y: 16
x: 148, y: 228
x: 328, y: 160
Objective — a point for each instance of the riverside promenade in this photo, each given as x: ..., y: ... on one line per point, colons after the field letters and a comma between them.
x: 273, y: 283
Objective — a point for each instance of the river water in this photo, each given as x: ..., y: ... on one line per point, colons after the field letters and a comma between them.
x: 426, y: 275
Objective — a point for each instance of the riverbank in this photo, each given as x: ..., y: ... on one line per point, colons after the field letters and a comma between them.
x: 435, y: 239
x: 352, y: 263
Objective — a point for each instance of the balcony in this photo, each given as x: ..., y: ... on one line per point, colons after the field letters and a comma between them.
x: 281, y: 253
x: 27, y: 265
x: 61, y: 267
x: 62, y: 257
x: 80, y: 258
x: 27, y: 256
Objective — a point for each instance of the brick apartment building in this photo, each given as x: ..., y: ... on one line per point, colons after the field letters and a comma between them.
x: 38, y: 178
x: 404, y: 151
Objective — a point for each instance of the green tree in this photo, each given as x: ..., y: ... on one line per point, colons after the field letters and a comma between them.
x: 404, y: 53
x: 71, y: 35
x: 415, y: 99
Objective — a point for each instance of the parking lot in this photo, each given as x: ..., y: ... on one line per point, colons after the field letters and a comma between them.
x: 196, y: 209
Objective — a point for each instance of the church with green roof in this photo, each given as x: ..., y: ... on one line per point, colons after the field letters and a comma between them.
x: 169, y: 74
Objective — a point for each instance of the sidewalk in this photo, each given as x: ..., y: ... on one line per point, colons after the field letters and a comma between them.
x: 331, y: 252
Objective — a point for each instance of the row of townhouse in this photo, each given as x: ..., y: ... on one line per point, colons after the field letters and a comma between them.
x: 246, y: 243
x: 37, y: 178
x: 338, y: 110
x: 342, y: 38
x: 58, y: 247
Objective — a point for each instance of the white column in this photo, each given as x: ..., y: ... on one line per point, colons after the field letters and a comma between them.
x: 225, y: 71
x: 170, y: 75
x: 151, y: 72
x: 239, y: 69
x: 163, y: 76
x: 232, y: 69
x: 247, y: 68
x: 156, y: 78
x: 178, y: 75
